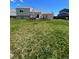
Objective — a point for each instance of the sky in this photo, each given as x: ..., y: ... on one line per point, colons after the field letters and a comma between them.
x: 53, y: 6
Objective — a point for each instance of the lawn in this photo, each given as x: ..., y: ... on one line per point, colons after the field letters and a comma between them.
x: 39, y: 39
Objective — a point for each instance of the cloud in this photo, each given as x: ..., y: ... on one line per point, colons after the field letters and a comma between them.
x: 21, y: 0
x: 16, y: 1
x: 12, y: 0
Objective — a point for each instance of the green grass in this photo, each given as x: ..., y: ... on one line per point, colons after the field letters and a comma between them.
x: 32, y: 39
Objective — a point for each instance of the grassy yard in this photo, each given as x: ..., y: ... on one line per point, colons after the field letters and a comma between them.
x: 39, y: 39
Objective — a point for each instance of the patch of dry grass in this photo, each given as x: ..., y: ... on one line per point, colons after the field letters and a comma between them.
x: 39, y: 39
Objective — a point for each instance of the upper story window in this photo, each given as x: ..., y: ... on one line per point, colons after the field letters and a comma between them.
x: 21, y: 10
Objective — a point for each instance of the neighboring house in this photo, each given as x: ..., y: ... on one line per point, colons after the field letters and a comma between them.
x: 23, y: 12
x: 64, y: 13
x: 47, y: 16
x: 35, y: 14
x: 28, y: 12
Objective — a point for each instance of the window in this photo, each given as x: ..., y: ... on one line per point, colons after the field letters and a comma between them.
x: 21, y: 10
x: 37, y: 16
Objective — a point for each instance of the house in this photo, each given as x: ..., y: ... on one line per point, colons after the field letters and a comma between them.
x: 35, y: 14
x: 28, y: 12
x: 63, y: 14
x: 23, y: 12
x: 47, y: 16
